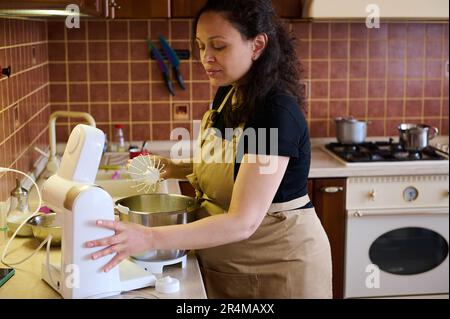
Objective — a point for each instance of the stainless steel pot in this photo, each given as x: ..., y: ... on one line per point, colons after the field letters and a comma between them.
x: 350, y: 130
x: 415, y: 137
x: 154, y: 210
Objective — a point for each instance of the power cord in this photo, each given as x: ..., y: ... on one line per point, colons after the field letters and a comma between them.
x: 47, y: 240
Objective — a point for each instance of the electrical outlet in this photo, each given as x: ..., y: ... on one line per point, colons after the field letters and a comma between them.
x: 181, y: 112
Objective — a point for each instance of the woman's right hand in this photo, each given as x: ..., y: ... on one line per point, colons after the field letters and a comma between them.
x: 167, y: 167
x: 175, y: 169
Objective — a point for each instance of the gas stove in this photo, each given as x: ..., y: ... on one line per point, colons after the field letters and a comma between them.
x: 382, y: 151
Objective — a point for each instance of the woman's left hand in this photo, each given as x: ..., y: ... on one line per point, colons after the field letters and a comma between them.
x: 129, y: 239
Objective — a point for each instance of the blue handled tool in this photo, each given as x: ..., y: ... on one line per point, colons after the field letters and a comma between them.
x: 174, y: 60
x: 165, y: 71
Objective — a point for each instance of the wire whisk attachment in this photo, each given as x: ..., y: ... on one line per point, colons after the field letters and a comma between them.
x: 146, y: 171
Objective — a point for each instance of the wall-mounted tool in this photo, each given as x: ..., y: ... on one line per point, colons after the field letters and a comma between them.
x: 6, y: 71
x: 174, y: 60
x: 181, y: 54
x: 162, y: 66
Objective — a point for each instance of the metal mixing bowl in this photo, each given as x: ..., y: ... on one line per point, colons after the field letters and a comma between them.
x: 154, y: 210
x: 44, y: 224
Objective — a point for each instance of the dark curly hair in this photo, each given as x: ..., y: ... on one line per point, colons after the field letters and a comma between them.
x: 278, y: 66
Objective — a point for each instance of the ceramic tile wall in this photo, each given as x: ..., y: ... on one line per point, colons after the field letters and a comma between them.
x: 104, y: 68
x: 389, y: 75
x: 24, y: 97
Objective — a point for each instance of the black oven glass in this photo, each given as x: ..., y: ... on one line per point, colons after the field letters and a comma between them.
x: 409, y: 251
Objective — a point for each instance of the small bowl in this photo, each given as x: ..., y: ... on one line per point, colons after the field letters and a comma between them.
x: 25, y: 231
x: 44, y: 224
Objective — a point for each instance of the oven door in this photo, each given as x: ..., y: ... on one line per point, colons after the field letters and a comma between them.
x: 396, y: 252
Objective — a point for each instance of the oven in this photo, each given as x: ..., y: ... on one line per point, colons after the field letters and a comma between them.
x: 397, y: 236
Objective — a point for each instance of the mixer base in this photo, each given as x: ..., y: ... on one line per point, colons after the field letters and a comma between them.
x: 156, y: 267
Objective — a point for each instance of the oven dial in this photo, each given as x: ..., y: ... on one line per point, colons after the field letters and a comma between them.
x: 410, y: 194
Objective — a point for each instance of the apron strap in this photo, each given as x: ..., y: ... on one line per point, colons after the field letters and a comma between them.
x: 291, y: 205
x: 214, y: 208
x: 224, y: 102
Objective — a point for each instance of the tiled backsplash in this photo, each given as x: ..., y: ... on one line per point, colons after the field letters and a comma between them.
x: 24, y: 97
x: 389, y: 75
x: 104, y: 68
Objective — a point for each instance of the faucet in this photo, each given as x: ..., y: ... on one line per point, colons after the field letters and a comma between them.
x: 53, y: 161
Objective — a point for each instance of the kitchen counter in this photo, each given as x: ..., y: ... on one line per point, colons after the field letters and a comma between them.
x: 325, y: 165
x: 27, y: 282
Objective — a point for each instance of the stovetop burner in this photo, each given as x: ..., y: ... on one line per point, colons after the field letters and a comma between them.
x: 381, y: 152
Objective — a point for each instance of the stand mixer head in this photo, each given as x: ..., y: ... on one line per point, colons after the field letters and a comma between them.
x: 71, y: 193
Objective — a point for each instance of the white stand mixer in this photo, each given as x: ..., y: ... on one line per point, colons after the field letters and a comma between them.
x: 79, y: 204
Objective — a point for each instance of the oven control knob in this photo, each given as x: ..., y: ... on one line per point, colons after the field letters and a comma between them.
x: 372, y: 195
x: 410, y: 194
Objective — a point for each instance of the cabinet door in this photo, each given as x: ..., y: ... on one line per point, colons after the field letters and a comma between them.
x: 93, y: 7
x: 137, y: 9
x: 189, y: 8
x: 89, y: 7
x: 39, y: 4
x: 288, y: 8
x: 329, y: 201
x: 186, y: 8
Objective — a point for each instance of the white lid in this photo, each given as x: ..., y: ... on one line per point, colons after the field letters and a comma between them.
x: 167, y: 285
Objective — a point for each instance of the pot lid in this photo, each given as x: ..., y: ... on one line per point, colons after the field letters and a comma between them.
x: 413, y: 127
x: 346, y: 119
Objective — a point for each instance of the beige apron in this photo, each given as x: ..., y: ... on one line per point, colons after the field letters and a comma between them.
x: 287, y: 257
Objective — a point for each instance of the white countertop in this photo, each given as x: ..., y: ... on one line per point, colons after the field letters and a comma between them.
x: 27, y: 282
x: 325, y: 165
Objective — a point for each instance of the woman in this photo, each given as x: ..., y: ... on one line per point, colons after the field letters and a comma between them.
x: 257, y: 235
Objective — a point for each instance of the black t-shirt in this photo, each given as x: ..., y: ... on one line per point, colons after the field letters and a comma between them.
x: 282, y: 112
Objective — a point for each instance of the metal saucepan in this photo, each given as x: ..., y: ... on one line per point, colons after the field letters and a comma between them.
x: 350, y: 130
x: 415, y: 137
x: 154, y: 210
